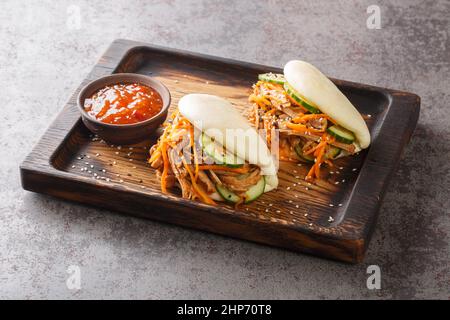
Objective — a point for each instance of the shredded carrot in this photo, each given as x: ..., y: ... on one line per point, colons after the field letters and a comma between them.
x: 205, y: 198
x: 194, y: 151
x: 302, y: 128
x: 165, y: 168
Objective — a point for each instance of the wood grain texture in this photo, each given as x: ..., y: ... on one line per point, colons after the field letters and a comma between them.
x: 70, y: 163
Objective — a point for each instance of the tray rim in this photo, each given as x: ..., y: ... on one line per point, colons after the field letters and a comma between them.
x: 358, y: 240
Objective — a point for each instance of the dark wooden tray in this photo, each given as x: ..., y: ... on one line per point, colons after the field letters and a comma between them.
x: 296, y: 216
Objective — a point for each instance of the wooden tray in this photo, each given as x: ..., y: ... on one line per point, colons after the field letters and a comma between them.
x: 68, y: 162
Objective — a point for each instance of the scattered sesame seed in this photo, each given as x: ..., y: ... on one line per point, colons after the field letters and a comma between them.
x: 73, y: 167
x: 337, y: 182
x: 343, y: 180
x: 306, y: 188
x: 331, y: 205
x: 354, y: 169
x: 270, y: 204
x: 89, y: 171
x: 288, y: 188
x: 340, y: 204
x: 278, y: 211
x: 310, y: 224
x: 134, y: 167
x: 95, y: 174
x: 131, y: 159
x: 299, y: 164
x: 294, y: 185
x: 108, y: 179
x: 92, y: 166
x: 267, y: 210
x: 119, y: 147
x: 103, y: 170
x: 142, y: 187
x: 305, y: 214
x: 290, y: 201
x: 297, y: 206
x: 86, y: 163
x: 331, y: 172
x: 88, y: 157
x: 117, y: 152
x: 130, y: 148
x: 330, y: 219
x: 114, y: 162
x: 120, y: 180
x: 297, y: 177
x: 291, y: 212
x: 341, y: 168
x: 295, y: 171
x: 369, y: 116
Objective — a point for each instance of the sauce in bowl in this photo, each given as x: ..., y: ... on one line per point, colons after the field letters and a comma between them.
x: 124, y: 103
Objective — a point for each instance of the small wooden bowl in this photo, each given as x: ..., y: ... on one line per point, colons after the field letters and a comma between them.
x: 124, y: 133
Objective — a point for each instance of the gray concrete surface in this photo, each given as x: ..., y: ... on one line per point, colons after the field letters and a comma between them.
x: 44, y: 57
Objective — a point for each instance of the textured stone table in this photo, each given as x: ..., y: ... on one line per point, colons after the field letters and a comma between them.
x: 46, y: 50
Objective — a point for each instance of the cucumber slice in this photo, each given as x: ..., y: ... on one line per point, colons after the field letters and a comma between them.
x: 255, y: 191
x: 219, y: 154
x: 332, y: 152
x: 252, y: 194
x: 294, y: 95
x: 226, y: 194
x: 272, y: 78
x: 305, y: 157
x: 341, y: 134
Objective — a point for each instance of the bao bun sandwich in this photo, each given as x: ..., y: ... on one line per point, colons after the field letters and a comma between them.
x: 316, y: 121
x: 209, y: 150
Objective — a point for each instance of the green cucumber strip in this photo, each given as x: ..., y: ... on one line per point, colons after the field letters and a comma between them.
x: 219, y: 154
x: 294, y: 95
x: 272, y: 78
x: 341, y: 134
x: 305, y: 157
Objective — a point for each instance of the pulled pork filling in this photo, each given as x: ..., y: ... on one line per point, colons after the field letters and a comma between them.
x: 303, y: 135
x: 191, y: 171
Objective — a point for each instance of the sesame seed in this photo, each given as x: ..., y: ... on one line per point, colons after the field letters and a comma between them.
x: 331, y: 172
x: 88, y: 157
x: 288, y: 188
x: 103, y: 170
x: 331, y: 205
x: 297, y: 206
x: 131, y: 159
x: 294, y: 185
x: 119, y: 147
x: 86, y: 163
x: 343, y: 180
x: 330, y: 219
x: 278, y: 211
x: 267, y: 210
x: 310, y: 224
x: 341, y: 168
x: 120, y: 180
x: 340, y: 204
x: 130, y: 148
x: 73, y: 167
x: 107, y: 179
x: 114, y: 162
x: 337, y: 182
x: 270, y: 204
x: 290, y: 201
x: 291, y: 212
x: 117, y: 152
x: 306, y: 188
x: 354, y: 169
x: 97, y: 154
x: 92, y: 166
x: 305, y: 214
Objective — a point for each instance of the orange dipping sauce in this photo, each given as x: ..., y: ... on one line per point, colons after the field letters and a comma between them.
x: 124, y: 104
